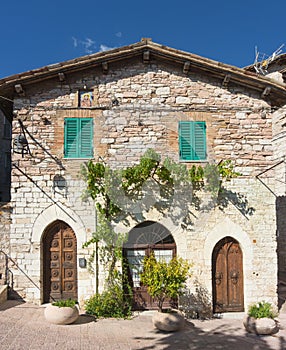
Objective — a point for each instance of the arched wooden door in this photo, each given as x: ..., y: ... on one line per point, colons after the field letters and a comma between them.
x: 144, y: 239
x: 227, y: 276
x: 59, y: 262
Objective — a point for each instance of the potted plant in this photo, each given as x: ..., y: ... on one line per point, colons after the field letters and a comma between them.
x: 62, y: 312
x: 165, y: 281
x: 260, y: 319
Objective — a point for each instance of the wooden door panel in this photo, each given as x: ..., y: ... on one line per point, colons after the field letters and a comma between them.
x: 141, y: 298
x: 235, y: 277
x: 220, y: 280
x: 60, y: 263
x: 227, y: 276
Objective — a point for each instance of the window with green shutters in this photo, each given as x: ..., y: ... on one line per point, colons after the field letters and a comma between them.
x: 78, y: 138
x: 192, y: 140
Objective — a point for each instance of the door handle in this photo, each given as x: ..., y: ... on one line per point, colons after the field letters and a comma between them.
x: 234, y: 276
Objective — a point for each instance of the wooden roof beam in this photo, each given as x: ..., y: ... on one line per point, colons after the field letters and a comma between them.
x: 266, y: 92
x: 226, y: 80
x: 186, y: 67
x: 19, y: 89
x: 61, y: 76
x: 104, y: 66
x: 146, y: 56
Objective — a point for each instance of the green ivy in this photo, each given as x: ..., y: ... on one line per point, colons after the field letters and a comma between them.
x: 103, y: 184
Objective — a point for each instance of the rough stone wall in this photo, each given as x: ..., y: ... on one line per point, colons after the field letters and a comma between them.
x: 152, y: 99
x: 5, y: 222
x: 5, y: 160
x: 279, y: 190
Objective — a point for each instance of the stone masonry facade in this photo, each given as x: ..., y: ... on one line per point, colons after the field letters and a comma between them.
x: 151, y: 100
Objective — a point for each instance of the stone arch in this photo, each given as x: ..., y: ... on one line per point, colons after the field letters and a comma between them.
x: 146, y: 238
x: 227, y: 276
x: 59, y: 262
x: 228, y: 228
x: 148, y: 233
x: 175, y: 229
x: 54, y: 213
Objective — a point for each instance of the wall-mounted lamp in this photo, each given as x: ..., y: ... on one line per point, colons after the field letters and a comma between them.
x: 82, y: 263
x: 20, y: 145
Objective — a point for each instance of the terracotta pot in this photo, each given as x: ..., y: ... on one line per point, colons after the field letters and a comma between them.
x: 61, y: 315
x: 169, y: 321
x: 262, y: 326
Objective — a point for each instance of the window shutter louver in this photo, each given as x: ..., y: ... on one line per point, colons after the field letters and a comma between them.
x: 185, y: 141
x: 200, y: 140
x: 86, y: 138
x: 78, y: 138
x: 70, y: 145
x: 192, y: 140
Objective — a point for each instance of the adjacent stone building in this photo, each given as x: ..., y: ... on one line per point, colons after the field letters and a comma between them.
x: 113, y: 106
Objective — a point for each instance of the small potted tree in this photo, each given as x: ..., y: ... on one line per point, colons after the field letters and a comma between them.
x: 165, y: 281
x: 62, y: 312
x: 260, y: 319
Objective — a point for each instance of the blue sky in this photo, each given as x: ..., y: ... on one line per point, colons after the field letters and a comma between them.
x: 36, y: 33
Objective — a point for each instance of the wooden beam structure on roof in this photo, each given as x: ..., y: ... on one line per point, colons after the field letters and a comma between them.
x: 61, y: 76
x: 146, y: 56
x: 226, y: 80
x: 19, y: 89
x: 104, y: 66
x: 266, y: 92
x: 186, y: 67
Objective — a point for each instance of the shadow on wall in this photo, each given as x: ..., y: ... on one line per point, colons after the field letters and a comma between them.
x: 281, y: 249
x: 196, y: 305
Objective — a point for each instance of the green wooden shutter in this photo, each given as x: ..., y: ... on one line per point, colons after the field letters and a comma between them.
x: 70, y: 138
x: 185, y: 141
x: 86, y: 135
x: 78, y: 138
x: 192, y: 140
x: 200, y: 140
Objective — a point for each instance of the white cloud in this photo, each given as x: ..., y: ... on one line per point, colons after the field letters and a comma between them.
x: 74, y: 41
x: 103, y: 47
x: 118, y: 34
x: 88, y: 44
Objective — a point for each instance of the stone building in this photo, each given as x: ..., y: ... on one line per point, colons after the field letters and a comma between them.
x: 113, y: 106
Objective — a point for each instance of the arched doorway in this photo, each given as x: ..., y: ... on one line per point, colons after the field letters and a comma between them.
x: 59, y: 251
x: 227, y: 276
x: 143, y: 239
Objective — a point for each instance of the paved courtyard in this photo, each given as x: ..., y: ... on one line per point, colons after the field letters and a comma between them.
x: 23, y: 326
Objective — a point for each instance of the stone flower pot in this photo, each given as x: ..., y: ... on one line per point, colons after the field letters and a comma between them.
x: 261, y: 326
x: 169, y: 321
x: 61, y: 315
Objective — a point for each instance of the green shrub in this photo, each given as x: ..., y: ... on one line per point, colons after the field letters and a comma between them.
x: 65, y: 303
x: 111, y: 303
x: 164, y: 280
x: 261, y: 310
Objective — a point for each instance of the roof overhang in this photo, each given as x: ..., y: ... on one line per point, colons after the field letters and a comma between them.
x: 274, y: 92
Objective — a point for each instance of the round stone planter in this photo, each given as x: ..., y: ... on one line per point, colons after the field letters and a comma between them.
x: 61, y: 315
x: 170, y: 321
x: 261, y: 326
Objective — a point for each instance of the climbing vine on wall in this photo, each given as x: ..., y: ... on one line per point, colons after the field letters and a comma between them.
x: 153, y: 182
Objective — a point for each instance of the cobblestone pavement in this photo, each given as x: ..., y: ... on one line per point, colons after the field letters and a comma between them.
x: 23, y: 326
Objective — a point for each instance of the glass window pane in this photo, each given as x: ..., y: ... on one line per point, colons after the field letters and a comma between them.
x: 135, y: 261
x: 163, y: 255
